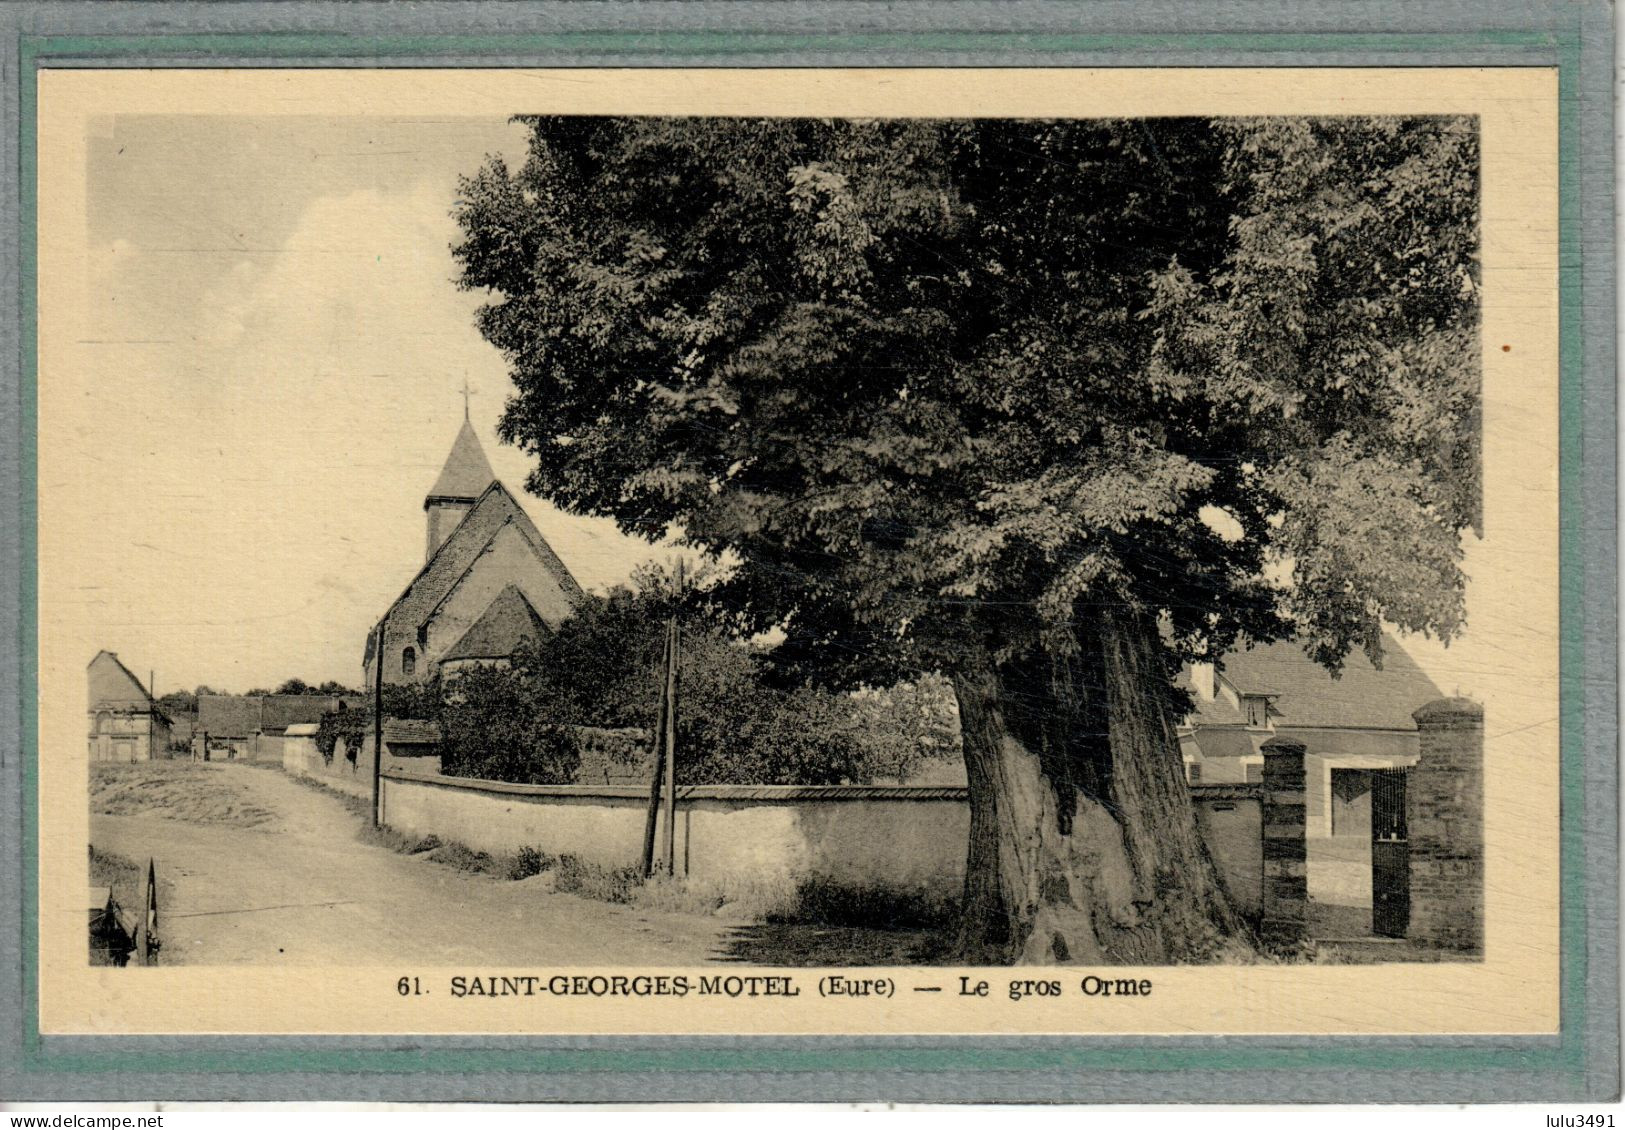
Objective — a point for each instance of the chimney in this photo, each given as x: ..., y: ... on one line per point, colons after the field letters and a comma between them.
x: 1202, y: 680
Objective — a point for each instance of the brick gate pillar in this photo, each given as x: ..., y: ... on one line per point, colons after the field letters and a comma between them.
x: 1444, y: 815
x: 1286, y: 850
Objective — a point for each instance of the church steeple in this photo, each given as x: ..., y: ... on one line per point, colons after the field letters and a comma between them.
x: 462, y: 480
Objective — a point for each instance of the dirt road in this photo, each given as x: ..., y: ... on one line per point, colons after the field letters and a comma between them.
x: 300, y: 889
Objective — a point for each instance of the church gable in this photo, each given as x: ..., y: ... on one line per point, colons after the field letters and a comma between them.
x: 495, y: 511
x: 506, y: 623
x: 494, y: 546
x: 509, y: 561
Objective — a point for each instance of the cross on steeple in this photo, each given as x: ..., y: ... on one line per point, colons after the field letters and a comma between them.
x: 467, y: 392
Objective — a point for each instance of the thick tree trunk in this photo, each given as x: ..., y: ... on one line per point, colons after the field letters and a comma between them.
x: 1083, y: 845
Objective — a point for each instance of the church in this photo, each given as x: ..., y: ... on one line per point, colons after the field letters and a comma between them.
x: 489, y: 580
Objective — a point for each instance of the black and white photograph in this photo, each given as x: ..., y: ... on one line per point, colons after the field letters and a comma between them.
x: 822, y: 551
x: 992, y: 542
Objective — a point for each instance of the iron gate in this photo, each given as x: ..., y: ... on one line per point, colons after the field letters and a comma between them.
x: 1390, y: 855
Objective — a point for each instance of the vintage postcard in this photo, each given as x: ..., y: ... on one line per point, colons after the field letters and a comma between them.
x: 805, y: 552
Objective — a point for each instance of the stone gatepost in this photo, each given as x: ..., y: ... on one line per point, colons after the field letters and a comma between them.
x: 1444, y: 816
x: 1286, y: 850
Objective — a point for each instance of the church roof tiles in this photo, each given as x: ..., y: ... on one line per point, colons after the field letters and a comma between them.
x: 501, y: 628
x: 494, y: 509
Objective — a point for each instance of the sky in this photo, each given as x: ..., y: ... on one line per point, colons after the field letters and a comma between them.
x: 265, y: 382
x: 279, y: 349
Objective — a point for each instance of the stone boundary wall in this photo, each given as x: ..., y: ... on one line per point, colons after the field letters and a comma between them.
x: 748, y: 841
x: 300, y: 758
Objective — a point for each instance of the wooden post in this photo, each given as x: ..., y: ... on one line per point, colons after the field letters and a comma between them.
x: 377, y: 725
x: 149, y: 915
x: 669, y: 856
x: 658, y: 752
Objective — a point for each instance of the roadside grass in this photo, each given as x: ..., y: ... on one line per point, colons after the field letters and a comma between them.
x: 357, y: 806
x: 361, y: 808
x: 122, y: 875
x: 874, y: 905
x: 193, y: 791
x: 125, y: 877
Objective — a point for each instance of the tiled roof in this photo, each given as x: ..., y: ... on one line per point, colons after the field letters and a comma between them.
x: 411, y: 731
x: 1230, y: 741
x: 467, y: 472
x: 228, y: 715
x: 279, y: 711
x: 1306, y: 694
x: 111, y: 684
x: 1218, y: 712
x: 495, y: 509
x: 507, y: 622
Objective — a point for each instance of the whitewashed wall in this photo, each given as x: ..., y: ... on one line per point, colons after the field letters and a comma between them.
x: 762, y: 837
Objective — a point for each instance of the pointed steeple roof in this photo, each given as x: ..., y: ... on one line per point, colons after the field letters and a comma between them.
x: 467, y: 472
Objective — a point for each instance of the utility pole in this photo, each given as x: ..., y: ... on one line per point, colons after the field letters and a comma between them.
x: 663, y: 782
x: 658, y: 760
x: 672, y: 664
x: 378, y: 724
x: 669, y: 855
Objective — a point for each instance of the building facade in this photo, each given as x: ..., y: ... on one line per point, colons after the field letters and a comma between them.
x: 126, y: 723
x: 242, y: 727
x: 1355, y: 727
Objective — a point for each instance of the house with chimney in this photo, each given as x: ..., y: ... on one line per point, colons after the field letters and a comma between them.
x: 1356, y: 727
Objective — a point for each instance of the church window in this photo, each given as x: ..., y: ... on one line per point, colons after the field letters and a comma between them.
x: 409, y: 661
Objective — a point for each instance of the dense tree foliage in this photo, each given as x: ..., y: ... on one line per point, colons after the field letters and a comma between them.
x: 495, y: 724
x: 1045, y: 406
x: 180, y: 702
x: 352, y: 726
x: 602, y: 668
x: 330, y: 687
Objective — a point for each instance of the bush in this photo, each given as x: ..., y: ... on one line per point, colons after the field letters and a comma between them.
x: 416, y: 701
x: 874, y: 906
x: 528, y: 862
x: 493, y: 726
x: 600, y: 674
x: 343, y: 724
x: 594, y: 881
x: 465, y: 858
